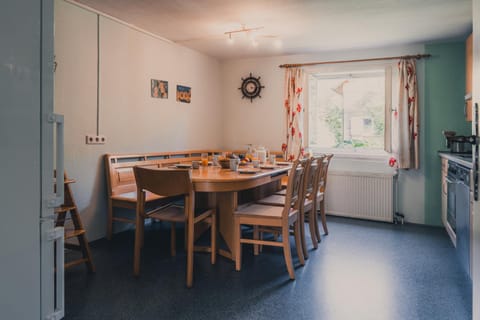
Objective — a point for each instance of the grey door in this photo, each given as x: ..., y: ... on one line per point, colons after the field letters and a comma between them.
x: 27, y: 271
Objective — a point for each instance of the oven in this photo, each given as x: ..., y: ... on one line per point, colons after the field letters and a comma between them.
x: 458, y: 210
x: 451, y: 190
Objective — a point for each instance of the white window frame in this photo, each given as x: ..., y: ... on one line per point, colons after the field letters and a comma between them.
x: 389, y: 67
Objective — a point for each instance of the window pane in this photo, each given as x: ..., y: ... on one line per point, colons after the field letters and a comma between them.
x: 347, y: 111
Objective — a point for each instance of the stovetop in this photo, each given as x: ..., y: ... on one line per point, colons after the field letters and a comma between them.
x: 463, y: 155
x: 464, y: 159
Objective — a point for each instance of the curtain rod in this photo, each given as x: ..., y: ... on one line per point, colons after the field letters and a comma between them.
x: 294, y: 65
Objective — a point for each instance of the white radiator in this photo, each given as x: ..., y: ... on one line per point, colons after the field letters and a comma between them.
x: 362, y: 195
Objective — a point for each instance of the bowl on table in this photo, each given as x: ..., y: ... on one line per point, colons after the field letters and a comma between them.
x: 224, y: 163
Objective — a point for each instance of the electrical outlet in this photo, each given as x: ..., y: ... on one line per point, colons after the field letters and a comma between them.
x: 95, y: 139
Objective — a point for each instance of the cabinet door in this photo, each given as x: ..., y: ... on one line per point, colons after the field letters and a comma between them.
x: 468, y: 79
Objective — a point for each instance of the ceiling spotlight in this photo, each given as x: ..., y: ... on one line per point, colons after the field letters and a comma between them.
x: 230, y: 39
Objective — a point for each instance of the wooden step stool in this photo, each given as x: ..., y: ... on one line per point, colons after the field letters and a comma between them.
x: 78, y: 231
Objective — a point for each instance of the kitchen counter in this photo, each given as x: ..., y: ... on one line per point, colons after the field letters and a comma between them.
x: 464, y: 159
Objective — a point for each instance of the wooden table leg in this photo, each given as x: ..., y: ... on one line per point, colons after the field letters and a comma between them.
x: 226, y: 206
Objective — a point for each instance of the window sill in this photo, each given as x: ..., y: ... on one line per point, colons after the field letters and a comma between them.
x: 356, y: 156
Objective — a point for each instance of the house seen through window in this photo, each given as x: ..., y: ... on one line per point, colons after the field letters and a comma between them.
x: 347, y: 111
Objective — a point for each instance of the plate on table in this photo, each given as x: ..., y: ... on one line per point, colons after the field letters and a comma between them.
x: 268, y: 166
x: 283, y: 163
x: 183, y: 166
x: 248, y: 171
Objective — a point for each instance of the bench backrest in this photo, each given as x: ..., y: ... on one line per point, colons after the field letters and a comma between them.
x: 119, y: 167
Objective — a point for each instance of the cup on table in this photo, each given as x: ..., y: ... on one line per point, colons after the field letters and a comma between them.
x: 204, y: 159
x: 256, y: 163
x: 234, y: 164
x: 272, y: 159
x: 195, y: 164
x: 215, y: 160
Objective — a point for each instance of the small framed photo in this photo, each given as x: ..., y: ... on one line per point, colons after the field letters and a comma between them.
x: 159, y: 89
x: 184, y: 94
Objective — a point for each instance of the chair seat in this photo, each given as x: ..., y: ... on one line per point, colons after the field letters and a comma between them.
x: 279, y: 200
x: 132, y: 196
x: 176, y: 213
x: 263, y: 214
x: 320, y: 196
x: 171, y: 213
x: 273, y: 200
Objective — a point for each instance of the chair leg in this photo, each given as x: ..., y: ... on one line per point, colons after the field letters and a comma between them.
x: 142, y: 229
x: 313, y: 232
x: 238, y: 246
x: 138, y: 246
x: 190, y: 237
x: 317, y: 228
x: 255, y: 237
x: 173, y: 237
x: 287, y: 252
x: 324, y: 217
x: 260, y: 247
x: 301, y: 220
x: 213, y: 237
x: 298, y: 242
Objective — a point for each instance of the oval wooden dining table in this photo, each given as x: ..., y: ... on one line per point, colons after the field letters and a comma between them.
x: 227, y: 189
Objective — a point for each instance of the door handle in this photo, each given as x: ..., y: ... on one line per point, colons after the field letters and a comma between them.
x: 58, y: 199
x: 475, y: 158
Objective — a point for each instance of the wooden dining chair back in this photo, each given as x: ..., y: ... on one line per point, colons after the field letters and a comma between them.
x: 322, y: 186
x: 294, y: 189
x: 309, y: 205
x: 164, y: 182
x: 276, y: 218
x: 171, y: 182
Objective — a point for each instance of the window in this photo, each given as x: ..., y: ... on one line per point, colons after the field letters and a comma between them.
x: 347, y: 110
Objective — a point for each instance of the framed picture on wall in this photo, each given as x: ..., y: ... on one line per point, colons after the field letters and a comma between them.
x: 159, y: 89
x: 184, y: 94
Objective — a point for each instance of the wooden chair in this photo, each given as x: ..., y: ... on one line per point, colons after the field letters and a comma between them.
x: 168, y: 183
x: 274, y: 217
x: 308, y: 207
x: 76, y: 229
x: 321, y: 193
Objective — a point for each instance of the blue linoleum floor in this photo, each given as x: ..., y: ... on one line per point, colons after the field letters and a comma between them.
x: 361, y: 270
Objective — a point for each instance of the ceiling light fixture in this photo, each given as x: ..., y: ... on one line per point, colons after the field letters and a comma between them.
x: 248, y: 32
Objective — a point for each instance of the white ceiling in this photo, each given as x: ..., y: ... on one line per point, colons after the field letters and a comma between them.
x: 293, y: 26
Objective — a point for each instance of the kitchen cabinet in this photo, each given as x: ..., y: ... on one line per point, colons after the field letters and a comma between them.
x: 468, y: 77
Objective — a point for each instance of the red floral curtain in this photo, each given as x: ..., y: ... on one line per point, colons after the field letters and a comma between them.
x: 405, y: 119
x: 294, y: 110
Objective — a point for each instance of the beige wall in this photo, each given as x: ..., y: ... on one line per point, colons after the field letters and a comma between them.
x: 131, y: 120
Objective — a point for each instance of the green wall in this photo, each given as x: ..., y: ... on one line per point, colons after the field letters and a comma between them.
x: 444, y: 101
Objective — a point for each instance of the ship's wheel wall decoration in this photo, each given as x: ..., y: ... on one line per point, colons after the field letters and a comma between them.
x: 251, y: 87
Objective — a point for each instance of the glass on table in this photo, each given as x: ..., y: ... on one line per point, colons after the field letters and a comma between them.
x: 204, y: 159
